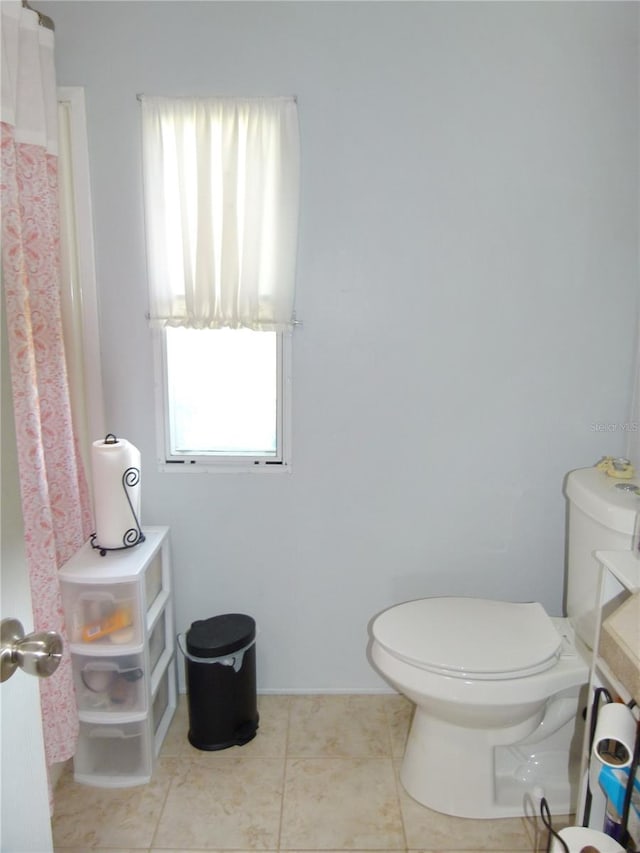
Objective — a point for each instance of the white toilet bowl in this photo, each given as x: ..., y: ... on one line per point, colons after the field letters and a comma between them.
x: 496, y: 688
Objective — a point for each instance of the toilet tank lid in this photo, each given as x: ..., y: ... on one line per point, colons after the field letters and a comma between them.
x: 470, y: 637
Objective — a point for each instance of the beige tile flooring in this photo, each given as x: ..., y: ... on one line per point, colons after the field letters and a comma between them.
x: 321, y: 775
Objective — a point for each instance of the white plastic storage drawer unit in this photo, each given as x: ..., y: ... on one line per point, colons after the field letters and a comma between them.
x: 113, y: 754
x: 119, y: 612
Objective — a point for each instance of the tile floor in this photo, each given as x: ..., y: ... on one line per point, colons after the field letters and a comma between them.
x: 321, y: 775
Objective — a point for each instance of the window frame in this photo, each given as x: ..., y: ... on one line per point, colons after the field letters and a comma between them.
x: 223, y: 462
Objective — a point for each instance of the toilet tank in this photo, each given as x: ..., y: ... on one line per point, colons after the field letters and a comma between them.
x: 602, y: 514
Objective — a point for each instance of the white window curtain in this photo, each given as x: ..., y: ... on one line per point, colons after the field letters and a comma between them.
x: 221, y: 183
x: 633, y: 432
x: 78, y: 287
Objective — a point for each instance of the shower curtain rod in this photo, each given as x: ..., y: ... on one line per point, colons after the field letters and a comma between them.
x: 141, y: 96
x: 43, y: 20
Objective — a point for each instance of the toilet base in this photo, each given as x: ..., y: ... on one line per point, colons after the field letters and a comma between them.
x: 480, y: 773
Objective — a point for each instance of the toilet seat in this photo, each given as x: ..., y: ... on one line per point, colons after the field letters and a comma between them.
x: 470, y: 638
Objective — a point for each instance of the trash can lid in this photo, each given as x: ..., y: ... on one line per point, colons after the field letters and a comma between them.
x: 220, y: 635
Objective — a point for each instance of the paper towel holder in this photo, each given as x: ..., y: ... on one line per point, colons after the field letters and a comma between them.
x: 134, y: 535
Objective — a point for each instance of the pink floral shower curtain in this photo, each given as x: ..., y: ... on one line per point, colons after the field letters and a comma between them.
x: 54, y: 494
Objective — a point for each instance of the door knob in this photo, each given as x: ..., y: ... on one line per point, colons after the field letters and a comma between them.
x: 38, y: 653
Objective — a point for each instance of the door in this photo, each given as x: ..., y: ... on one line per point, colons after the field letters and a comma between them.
x: 25, y: 825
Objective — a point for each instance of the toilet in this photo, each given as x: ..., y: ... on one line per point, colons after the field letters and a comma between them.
x: 496, y: 684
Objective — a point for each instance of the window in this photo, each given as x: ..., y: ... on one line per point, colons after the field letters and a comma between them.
x: 226, y: 397
x: 221, y: 182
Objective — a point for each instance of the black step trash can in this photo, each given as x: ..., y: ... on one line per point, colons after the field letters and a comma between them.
x: 220, y: 658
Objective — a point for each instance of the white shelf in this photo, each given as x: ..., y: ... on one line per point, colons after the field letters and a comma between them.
x: 87, y: 566
x: 624, y: 566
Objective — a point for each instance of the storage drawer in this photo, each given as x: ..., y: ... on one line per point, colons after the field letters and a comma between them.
x: 103, y: 615
x: 115, y: 755
x: 153, y: 579
x: 158, y: 640
x: 161, y: 700
x: 112, y: 684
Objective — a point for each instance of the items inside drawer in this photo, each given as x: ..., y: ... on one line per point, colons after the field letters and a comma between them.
x: 113, y: 684
x: 103, y: 616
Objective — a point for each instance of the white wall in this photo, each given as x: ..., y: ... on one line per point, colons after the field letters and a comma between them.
x: 467, y: 280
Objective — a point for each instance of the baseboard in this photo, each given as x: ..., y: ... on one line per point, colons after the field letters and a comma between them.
x: 322, y: 691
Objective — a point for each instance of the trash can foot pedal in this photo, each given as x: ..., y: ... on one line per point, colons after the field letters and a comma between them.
x: 246, y: 732
x: 243, y: 734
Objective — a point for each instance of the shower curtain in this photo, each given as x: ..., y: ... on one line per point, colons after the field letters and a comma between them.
x: 54, y: 494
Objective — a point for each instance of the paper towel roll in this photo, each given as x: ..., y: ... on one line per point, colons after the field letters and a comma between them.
x: 115, y: 463
x: 577, y: 838
x: 615, y: 735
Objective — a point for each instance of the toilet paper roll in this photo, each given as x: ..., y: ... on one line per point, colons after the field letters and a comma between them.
x: 615, y: 735
x: 577, y: 838
x: 115, y: 464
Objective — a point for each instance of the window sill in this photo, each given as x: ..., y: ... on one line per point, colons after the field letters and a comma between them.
x: 197, y: 467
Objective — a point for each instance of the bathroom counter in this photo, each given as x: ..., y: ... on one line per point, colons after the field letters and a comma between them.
x: 620, y: 645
